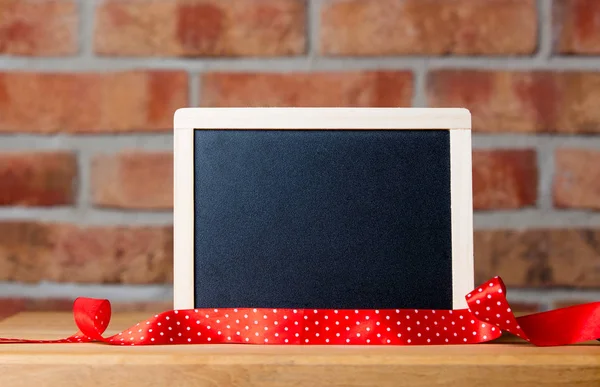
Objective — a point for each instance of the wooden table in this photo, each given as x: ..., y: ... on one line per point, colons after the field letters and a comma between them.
x: 503, y: 363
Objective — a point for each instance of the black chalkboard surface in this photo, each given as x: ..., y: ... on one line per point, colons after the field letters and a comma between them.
x: 322, y: 219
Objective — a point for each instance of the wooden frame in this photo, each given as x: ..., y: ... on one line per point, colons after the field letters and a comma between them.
x: 457, y: 121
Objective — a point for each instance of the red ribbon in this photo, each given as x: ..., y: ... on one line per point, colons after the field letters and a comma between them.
x: 487, y: 316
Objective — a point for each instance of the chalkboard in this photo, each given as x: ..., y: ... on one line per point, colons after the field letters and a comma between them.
x: 320, y: 218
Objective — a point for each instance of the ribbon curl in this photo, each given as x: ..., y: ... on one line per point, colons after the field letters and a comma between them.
x: 488, y: 314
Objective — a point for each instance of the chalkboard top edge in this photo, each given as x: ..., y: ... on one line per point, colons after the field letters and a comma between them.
x: 322, y: 118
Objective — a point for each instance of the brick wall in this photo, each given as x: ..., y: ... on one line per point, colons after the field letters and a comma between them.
x: 88, y: 90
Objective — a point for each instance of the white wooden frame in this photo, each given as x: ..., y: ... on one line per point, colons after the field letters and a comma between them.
x: 457, y: 121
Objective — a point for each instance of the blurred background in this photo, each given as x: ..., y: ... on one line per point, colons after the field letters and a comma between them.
x: 88, y: 90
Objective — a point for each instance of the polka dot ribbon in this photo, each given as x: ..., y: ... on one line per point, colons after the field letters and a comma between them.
x: 488, y: 314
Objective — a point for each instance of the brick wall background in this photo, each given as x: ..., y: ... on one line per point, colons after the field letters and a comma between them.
x: 88, y: 90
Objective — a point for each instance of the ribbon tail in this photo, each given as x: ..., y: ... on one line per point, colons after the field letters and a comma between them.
x: 557, y: 327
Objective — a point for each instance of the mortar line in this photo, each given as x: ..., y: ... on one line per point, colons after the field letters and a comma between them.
x: 115, y: 142
x: 87, y: 11
x: 84, y: 202
x: 544, y: 15
x: 545, y: 163
x: 113, y: 292
x: 420, y: 74
x: 313, y: 32
x: 303, y: 63
x: 194, y: 93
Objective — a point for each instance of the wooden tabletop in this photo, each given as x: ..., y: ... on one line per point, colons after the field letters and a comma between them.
x: 502, y: 363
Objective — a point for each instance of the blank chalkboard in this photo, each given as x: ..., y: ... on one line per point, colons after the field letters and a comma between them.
x: 322, y: 219
x: 319, y: 218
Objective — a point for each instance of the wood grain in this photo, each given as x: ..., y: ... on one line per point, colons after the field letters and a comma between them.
x: 495, y: 364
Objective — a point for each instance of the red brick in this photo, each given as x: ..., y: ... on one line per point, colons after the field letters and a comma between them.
x: 136, y: 180
x: 539, y: 258
x: 38, y: 27
x: 350, y: 89
x: 523, y: 102
x: 90, y: 102
x: 201, y: 28
x: 32, y: 252
x: 577, y: 179
x: 504, y: 179
x: 521, y: 308
x: 428, y: 27
x: 577, y: 26
x: 37, y: 179
x: 10, y: 306
x: 570, y: 302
